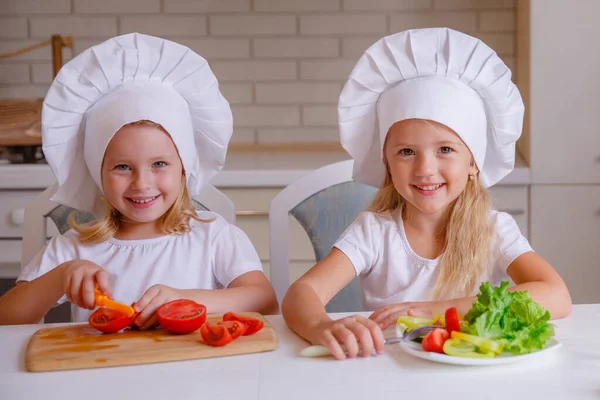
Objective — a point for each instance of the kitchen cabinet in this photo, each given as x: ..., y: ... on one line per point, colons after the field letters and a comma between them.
x: 568, y: 236
x: 558, y: 77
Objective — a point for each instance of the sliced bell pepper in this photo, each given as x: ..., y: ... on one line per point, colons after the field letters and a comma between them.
x: 485, y: 345
x: 451, y: 318
x: 413, y: 322
x: 458, y: 348
x: 103, y: 301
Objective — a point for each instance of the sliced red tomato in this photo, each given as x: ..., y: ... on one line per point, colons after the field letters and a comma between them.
x: 235, y: 328
x: 215, y: 335
x: 254, y: 325
x: 434, y: 340
x: 452, y: 323
x: 181, y: 316
x: 109, y: 321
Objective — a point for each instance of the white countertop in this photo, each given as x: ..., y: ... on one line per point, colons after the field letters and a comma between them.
x: 242, y: 169
x: 570, y: 372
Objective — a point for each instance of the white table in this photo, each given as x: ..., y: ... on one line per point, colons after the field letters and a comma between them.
x: 571, y: 372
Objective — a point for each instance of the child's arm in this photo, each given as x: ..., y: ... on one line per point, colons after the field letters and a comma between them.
x: 28, y: 302
x: 248, y: 292
x: 529, y: 272
x: 304, y: 310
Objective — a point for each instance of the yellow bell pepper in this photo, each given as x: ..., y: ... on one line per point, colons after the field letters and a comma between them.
x: 458, y: 348
x: 413, y: 322
x: 484, y: 345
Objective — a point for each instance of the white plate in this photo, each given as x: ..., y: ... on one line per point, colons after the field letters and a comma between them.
x: 415, y: 349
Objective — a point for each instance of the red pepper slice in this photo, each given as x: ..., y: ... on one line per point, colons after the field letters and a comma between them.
x: 254, y: 325
x: 181, y: 316
x: 215, y: 335
x: 452, y: 323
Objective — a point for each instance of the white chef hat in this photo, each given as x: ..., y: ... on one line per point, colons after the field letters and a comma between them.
x: 123, y: 80
x: 437, y: 74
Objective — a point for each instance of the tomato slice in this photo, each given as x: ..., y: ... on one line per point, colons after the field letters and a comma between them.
x: 235, y: 328
x: 181, y: 316
x: 109, y: 321
x: 215, y: 335
x: 451, y: 319
x: 254, y: 325
x: 434, y: 340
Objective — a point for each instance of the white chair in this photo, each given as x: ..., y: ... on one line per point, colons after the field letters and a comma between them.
x: 41, y: 208
x: 324, y: 202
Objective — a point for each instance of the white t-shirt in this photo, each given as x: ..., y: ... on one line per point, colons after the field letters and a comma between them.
x: 391, y: 272
x: 210, y: 256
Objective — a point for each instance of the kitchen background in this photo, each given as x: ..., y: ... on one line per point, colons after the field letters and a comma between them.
x: 282, y: 63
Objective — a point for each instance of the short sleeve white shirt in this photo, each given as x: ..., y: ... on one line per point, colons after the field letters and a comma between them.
x: 210, y: 256
x: 391, y: 272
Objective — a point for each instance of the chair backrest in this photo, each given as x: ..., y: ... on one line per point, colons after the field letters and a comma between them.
x: 41, y: 208
x: 324, y: 202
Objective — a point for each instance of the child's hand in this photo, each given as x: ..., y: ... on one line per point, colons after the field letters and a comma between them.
x: 355, y: 333
x: 154, y: 297
x: 387, y: 316
x: 80, y: 279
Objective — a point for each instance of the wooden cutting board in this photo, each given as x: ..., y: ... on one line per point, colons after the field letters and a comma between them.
x: 81, y: 346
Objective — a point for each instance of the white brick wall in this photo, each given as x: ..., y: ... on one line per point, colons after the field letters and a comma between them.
x: 280, y: 63
x: 206, y: 6
x: 15, y: 27
x: 116, y: 6
x: 164, y: 25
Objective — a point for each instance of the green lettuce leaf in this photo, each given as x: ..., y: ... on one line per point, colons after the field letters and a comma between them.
x: 511, y: 318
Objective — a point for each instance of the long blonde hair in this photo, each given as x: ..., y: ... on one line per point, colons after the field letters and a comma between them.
x: 466, y: 254
x: 176, y: 220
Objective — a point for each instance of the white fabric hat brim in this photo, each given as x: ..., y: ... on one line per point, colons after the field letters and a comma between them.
x: 437, y: 74
x: 127, y: 79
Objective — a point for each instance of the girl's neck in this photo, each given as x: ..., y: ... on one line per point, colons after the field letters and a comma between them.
x: 428, y: 224
x: 138, y: 231
x: 425, y: 232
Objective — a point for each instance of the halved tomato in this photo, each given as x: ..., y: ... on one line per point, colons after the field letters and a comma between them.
x: 181, y: 316
x: 235, y: 328
x: 254, y: 325
x: 434, y: 340
x: 109, y: 321
x: 215, y: 335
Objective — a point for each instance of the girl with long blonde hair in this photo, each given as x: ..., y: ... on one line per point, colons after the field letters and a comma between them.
x: 431, y: 118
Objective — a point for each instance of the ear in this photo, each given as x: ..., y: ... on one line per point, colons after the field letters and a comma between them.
x: 473, y: 170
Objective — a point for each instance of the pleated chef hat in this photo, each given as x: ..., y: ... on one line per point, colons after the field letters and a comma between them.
x: 123, y: 80
x: 437, y: 74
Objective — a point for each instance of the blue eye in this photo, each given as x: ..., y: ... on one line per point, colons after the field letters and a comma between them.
x: 406, y: 152
x: 122, y: 167
x: 159, y: 164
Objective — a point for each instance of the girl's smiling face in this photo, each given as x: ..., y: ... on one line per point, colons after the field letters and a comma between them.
x: 429, y: 164
x: 142, y: 175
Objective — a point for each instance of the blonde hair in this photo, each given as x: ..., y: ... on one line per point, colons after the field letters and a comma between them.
x: 176, y: 220
x: 466, y: 254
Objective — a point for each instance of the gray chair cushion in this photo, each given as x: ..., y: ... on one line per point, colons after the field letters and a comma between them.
x: 325, y: 215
